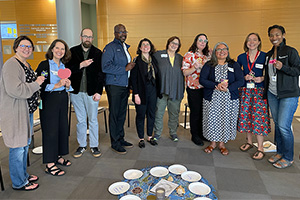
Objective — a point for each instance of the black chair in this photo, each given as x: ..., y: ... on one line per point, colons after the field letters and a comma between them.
x: 1, y: 179
x: 185, y: 114
x: 100, y: 110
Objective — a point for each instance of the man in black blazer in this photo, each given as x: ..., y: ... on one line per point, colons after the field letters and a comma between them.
x: 87, y: 81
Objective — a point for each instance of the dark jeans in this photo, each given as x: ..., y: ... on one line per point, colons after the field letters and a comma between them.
x: 147, y: 110
x: 195, y: 100
x: 117, y: 100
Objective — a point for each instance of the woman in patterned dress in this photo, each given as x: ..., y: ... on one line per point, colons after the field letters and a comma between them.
x: 221, y: 78
x: 254, y: 113
x: 192, y: 64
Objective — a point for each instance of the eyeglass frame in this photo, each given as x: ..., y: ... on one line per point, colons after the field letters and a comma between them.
x: 205, y: 41
x: 87, y: 37
x: 23, y: 46
x: 224, y: 50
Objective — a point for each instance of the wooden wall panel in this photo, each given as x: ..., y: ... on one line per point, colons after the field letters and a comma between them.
x: 7, y: 10
x: 29, y: 12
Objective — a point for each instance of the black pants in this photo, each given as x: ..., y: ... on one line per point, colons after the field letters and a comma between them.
x: 54, y: 124
x: 117, y: 100
x: 146, y: 110
x: 195, y: 100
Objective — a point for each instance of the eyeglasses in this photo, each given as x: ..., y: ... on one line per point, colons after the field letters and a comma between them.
x: 205, y: 41
x: 122, y: 32
x: 219, y: 50
x: 23, y: 46
x: 87, y: 37
x: 174, y: 43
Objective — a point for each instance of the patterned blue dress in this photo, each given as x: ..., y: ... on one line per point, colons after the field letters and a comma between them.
x: 221, y: 113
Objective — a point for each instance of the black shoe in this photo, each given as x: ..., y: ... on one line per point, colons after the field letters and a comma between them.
x: 126, y: 144
x: 152, y: 141
x: 95, y: 152
x: 198, y: 142
x: 119, y: 150
x: 142, y: 144
x: 204, y: 139
x: 79, y: 152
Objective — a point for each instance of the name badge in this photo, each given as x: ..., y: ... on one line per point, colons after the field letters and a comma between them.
x: 274, y: 78
x: 250, y: 85
x: 259, y: 66
x: 230, y: 69
x: 164, y: 55
x: 54, y: 72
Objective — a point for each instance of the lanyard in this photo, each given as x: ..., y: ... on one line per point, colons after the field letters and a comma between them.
x: 248, y: 61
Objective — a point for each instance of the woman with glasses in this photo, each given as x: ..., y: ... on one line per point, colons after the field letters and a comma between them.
x: 221, y: 78
x: 254, y: 112
x: 172, y: 87
x: 192, y: 64
x: 54, y: 108
x: 19, y: 94
x: 144, y: 79
x: 282, y: 91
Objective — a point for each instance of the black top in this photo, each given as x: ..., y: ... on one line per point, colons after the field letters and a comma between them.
x: 94, y: 75
x: 287, y: 77
x: 138, y: 78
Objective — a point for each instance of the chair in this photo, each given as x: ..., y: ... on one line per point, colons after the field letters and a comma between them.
x: 185, y: 114
x: 1, y: 179
x: 130, y: 103
x: 100, y: 110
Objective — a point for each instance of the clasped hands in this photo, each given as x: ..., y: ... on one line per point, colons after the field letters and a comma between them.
x: 223, y: 86
x: 63, y: 82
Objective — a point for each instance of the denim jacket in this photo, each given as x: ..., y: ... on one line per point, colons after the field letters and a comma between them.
x: 114, y: 61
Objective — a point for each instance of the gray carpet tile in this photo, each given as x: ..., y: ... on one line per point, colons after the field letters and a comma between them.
x: 236, y: 176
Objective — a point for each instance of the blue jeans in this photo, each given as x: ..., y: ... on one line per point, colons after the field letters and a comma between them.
x: 85, y: 107
x: 282, y: 111
x: 18, y: 163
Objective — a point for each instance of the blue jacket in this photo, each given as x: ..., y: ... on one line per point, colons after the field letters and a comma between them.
x: 235, y: 80
x: 114, y: 61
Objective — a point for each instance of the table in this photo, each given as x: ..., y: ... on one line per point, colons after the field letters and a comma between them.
x: 147, y: 182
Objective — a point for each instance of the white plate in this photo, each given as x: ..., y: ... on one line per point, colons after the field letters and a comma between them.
x: 131, y: 174
x: 199, y: 188
x: 202, y: 198
x: 118, y: 188
x: 191, y: 176
x: 130, y: 197
x: 159, y: 171
x: 177, y: 169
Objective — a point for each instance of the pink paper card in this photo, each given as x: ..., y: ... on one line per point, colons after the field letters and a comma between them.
x: 64, y: 73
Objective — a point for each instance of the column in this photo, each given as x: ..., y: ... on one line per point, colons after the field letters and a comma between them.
x: 68, y: 18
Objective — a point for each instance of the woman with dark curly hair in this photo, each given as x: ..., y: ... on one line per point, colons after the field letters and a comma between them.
x: 192, y: 64
x: 54, y: 107
x: 144, y: 79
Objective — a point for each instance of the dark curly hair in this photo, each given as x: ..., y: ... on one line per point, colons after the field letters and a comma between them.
x: 152, y: 48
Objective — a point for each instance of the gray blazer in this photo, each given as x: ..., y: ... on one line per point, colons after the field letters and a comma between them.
x: 14, y: 113
x: 172, y: 79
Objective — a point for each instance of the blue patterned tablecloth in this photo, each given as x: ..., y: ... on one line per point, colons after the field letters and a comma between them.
x: 147, y: 182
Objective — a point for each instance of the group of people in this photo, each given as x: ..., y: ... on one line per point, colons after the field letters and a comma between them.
x: 223, y: 95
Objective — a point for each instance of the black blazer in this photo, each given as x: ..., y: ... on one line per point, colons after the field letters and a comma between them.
x: 138, y: 78
x: 95, y: 76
